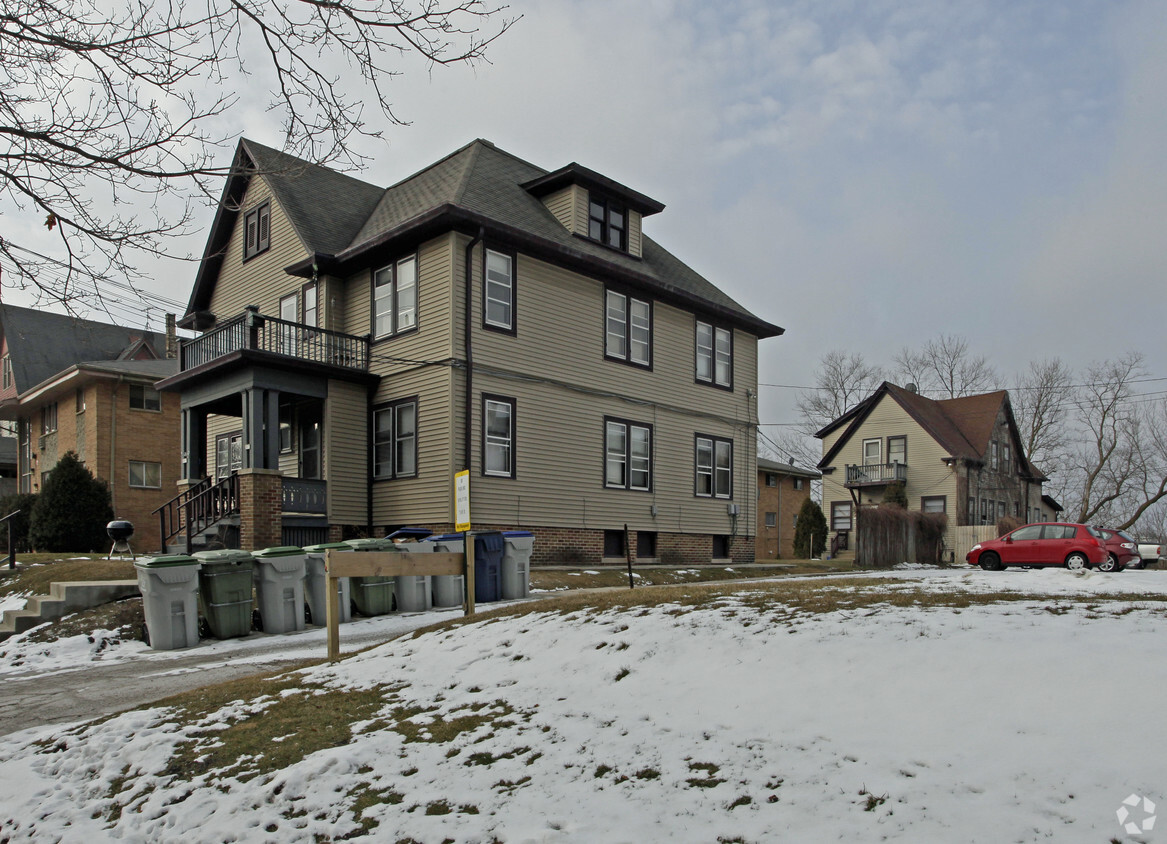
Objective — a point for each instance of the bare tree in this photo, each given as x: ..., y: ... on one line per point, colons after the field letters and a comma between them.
x: 109, y: 102
x: 841, y: 382
x: 944, y: 368
x: 1041, y: 401
x: 1121, y: 457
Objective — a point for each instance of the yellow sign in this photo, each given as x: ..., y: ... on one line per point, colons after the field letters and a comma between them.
x: 462, y: 500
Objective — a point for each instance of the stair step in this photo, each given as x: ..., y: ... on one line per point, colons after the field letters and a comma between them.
x: 64, y: 598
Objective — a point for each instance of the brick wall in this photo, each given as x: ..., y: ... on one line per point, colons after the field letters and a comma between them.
x: 774, y: 543
x: 261, y: 513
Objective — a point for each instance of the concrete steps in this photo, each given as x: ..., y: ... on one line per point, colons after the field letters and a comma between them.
x: 63, y: 599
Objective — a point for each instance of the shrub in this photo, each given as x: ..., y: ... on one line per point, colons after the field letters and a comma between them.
x: 1008, y: 523
x: 810, y: 531
x: 72, y: 510
x: 23, y: 502
x: 897, y: 494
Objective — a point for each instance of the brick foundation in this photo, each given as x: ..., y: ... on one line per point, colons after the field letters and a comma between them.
x: 261, y: 509
x: 556, y: 545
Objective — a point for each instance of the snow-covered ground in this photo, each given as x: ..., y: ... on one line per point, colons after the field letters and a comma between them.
x: 1014, y: 721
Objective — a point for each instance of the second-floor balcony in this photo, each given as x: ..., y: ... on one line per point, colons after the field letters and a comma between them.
x: 876, y: 474
x: 253, y: 331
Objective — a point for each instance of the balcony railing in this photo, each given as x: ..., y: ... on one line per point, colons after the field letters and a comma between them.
x: 302, y: 495
x: 251, y: 330
x: 876, y: 474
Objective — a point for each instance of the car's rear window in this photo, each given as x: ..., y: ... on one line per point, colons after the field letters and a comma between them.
x: 1126, y: 537
x: 1094, y: 532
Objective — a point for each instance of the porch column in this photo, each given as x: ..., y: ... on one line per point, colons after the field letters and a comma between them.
x: 261, y: 429
x: 260, y: 509
x: 194, y: 443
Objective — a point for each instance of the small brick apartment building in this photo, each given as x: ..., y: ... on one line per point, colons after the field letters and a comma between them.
x: 77, y: 385
x: 782, y: 487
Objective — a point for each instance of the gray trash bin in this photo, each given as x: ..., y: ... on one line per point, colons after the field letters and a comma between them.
x: 412, y: 591
x: 225, y: 591
x: 449, y: 589
x: 516, y: 563
x: 170, y: 599
x: 279, y: 588
x: 316, y: 584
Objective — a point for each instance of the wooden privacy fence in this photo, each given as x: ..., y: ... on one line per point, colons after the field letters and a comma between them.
x: 338, y: 564
x: 888, y: 535
x: 969, y: 535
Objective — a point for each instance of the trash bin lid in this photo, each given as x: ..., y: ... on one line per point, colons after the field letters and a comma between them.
x: 223, y: 555
x: 510, y: 533
x: 410, y: 533
x: 279, y: 551
x: 371, y: 544
x: 328, y: 546
x: 446, y: 537
x: 167, y: 560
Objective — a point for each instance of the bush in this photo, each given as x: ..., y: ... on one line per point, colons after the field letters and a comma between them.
x: 810, y: 531
x: 897, y: 494
x: 1008, y: 523
x: 72, y: 510
x: 22, y: 501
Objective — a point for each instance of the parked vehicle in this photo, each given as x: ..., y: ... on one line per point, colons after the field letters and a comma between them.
x: 1042, y: 544
x: 1121, y: 549
x: 1149, y: 552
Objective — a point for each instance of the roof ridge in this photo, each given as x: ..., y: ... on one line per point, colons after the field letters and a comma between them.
x: 332, y: 171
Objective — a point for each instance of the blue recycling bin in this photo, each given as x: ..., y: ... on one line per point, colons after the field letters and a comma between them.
x: 488, y: 551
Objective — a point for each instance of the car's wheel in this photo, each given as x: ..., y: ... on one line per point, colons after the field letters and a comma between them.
x: 991, y: 561
x: 1109, y: 564
x: 1077, y: 562
x: 1135, y: 564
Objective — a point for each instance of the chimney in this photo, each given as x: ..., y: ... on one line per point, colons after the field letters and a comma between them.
x: 171, y: 337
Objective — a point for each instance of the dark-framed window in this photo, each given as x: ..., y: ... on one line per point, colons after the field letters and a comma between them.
x: 311, y: 429
x: 897, y: 450
x: 994, y: 461
x: 143, y: 397
x: 720, y: 547
x: 714, y: 467
x: 498, y: 291
x: 934, y: 503
x: 79, y: 400
x: 771, y: 479
x: 285, y: 421
x: 627, y: 328
x: 395, y: 298
x: 6, y: 371
x: 714, y: 355
x: 645, y: 544
x: 798, y: 483
x: 49, y: 418
x: 498, y: 436
x: 627, y: 454
x: 1006, y: 457
x: 145, y: 475
x: 1001, y: 509
x: 256, y: 230
x: 771, y: 520
x: 395, y: 440
x: 840, y: 515
x: 614, y: 543
x: 608, y: 222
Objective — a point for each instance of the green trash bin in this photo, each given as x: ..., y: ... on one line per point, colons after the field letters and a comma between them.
x: 225, y: 585
x: 316, y: 584
x: 372, y: 596
x: 279, y: 588
x: 170, y: 600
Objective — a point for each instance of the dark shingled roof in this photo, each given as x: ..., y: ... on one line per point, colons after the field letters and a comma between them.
x: 343, y: 221
x: 42, y: 344
x: 786, y: 469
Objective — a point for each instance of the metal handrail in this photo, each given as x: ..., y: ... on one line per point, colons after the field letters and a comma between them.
x: 203, y: 505
x: 11, y: 540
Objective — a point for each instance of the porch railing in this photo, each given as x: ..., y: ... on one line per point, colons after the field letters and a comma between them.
x: 252, y: 330
x: 876, y: 473
x: 302, y: 495
x: 197, y: 509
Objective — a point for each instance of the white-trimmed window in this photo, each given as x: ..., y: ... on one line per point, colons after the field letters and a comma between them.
x: 714, y: 355
x: 498, y: 436
x: 143, y: 397
x: 628, y: 328
x: 257, y: 230
x: 628, y: 455
x: 395, y: 440
x: 872, y: 452
x: 499, y: 292
x: 145, y: 475
x: 395, y: 298
x: 714, y: 467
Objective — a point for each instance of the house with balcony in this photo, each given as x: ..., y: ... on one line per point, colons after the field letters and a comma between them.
x: 962, y: 457
x: 70, y: 384
x: 359, y: 345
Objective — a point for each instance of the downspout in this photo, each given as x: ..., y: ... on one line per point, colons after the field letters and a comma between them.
x: 113, y: 439
x: 469, y: 398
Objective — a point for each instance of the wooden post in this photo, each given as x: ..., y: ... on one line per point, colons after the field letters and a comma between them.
x: 628, y: 555
x: 468, y: 577
x: 332, y: 609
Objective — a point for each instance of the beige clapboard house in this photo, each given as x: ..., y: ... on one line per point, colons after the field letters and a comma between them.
x: 360, y: 345
x: 962, y: 457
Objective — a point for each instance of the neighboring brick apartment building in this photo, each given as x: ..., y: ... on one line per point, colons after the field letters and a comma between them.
x: 88, y: 387
x: 782, y: 487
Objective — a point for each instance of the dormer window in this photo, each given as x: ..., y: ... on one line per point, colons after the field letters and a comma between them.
x: 608, y: 222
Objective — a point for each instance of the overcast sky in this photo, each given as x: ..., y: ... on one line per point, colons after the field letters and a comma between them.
x: 867, y: 174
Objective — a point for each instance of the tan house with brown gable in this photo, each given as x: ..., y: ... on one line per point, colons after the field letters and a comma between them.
x: 360, y: 345
x: 782, y: 488
x: 958, y: 456
x: 78, y: 385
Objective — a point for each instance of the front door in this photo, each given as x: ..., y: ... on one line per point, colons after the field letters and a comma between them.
x: 228, y: 455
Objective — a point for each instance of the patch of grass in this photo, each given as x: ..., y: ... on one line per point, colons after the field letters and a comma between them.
x: 744, y: 800
x: 602, y: 771
x: 35, y: 573
x: 406, y: 722
x: 710, y: 780
x: 872, y: 801
x: 647, y: 774
x: 622, y: 673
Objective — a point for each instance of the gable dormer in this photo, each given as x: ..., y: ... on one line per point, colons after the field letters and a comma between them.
x: 595, y: 207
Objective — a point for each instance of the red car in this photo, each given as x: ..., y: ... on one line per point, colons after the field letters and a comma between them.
x: 1121, y: 547
x: 1043, y: 544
